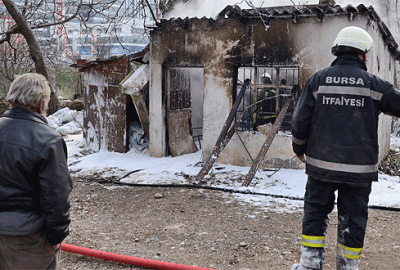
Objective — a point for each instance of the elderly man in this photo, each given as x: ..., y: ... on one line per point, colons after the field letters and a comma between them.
x: 34, y: 180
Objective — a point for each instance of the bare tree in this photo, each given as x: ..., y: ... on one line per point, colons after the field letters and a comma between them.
x: 34, y: 47
x: 98, y: 21
x: 53, y: 15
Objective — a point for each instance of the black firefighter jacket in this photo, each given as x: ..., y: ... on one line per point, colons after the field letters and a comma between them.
x: 34, y: 179
x: 335, y: 123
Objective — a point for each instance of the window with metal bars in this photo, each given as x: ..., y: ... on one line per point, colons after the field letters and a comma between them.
x: 179, y: 89
x: 269, y: 89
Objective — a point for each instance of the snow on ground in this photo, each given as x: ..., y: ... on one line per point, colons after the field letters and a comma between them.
x: 285, y: 188
x: 176, y: 170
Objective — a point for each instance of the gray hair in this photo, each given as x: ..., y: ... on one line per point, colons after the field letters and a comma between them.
x: 28, y: 91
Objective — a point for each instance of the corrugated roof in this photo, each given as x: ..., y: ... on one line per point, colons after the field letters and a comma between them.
x: 82, y: 63
x: 290, y: 11
x: 132, y: 57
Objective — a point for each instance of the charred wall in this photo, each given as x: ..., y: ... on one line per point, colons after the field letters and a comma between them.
x: 229, y: 42
x: 221, y: 46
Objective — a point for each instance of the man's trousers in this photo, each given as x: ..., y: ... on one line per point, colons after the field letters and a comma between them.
x: 27, y: 252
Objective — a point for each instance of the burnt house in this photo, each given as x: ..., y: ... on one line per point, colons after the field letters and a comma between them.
x: 198, y: 65
x: 108, y: 109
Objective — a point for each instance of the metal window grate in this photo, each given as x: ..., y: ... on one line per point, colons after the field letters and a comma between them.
x: 266, y: 95
x: 179, y: 89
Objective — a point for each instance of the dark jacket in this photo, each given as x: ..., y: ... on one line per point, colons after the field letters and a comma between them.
x: 34, y: 179
x: 335, y: 122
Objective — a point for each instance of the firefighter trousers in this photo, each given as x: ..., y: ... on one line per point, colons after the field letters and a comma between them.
x: 352, y: 205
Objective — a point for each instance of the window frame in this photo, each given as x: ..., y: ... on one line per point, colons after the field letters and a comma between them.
x: 258, y: 105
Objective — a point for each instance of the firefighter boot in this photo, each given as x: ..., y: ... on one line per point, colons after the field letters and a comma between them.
x: 311, y: 259
x: 343, y: 263
x: 347, y: 258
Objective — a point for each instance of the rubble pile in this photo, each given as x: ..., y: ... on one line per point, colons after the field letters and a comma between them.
x: 66, y: 121
x: 391, y: 164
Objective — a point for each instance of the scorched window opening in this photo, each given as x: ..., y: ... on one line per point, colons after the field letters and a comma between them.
x: 269, y: 89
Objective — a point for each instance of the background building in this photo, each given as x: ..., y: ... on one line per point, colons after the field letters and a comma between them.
x: 116, y: 29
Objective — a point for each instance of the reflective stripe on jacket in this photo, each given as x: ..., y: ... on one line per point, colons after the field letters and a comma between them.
x: 336, y: 121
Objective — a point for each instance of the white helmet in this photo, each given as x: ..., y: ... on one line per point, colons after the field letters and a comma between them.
x: 352, y: 39
x: 266, y: 74
x: 266, y: 78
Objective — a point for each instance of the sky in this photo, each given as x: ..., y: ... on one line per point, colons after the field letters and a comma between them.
x: 288, y: 183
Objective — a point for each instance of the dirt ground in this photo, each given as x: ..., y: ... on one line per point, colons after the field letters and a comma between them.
x: 205, y: 228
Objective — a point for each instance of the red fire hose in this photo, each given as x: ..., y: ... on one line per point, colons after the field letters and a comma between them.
x: 128, y: 259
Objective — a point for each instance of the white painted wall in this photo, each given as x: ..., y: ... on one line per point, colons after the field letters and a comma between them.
x: 158, y: 142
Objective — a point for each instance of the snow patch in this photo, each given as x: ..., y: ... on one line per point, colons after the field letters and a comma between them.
x: 284, y: 185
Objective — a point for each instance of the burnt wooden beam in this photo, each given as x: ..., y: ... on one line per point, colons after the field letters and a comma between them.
x: 268, y: 141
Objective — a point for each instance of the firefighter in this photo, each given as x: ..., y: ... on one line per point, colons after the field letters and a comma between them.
x: 335, y: 133
x: 267, y: 107
x: 266, y: 78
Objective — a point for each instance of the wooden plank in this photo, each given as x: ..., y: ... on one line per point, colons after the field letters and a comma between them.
x: 134, y: 85
x: 141, y: 110
x: 91, y: 129
x: 268, y: 141
x: 114, y: 121
x: 223, y: 139
x: 180, y: 141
